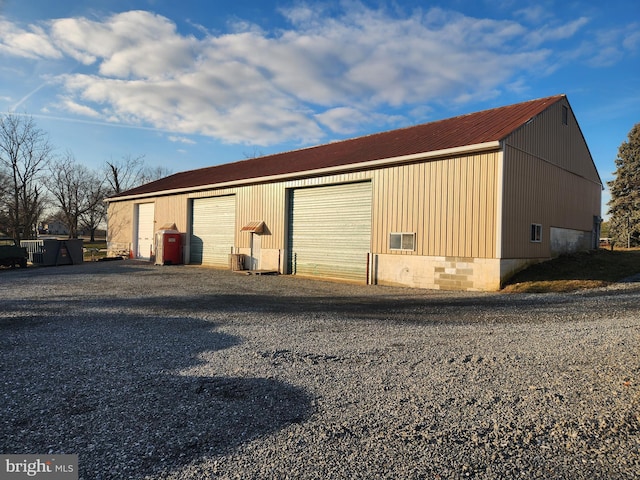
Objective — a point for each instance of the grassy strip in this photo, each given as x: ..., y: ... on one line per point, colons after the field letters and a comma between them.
x: 99, y: 244
x: 94, y: 250
x: 575, y: 272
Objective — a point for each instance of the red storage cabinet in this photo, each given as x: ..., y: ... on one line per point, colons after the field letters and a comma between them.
x: 168, y: 247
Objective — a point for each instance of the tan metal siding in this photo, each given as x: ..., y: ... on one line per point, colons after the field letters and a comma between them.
x: 451, y: 204
x: 420, y: 183
x: 492, y: 202
x: 172, y: 209
x: 548, y: 139
x: 120, y: 224
x: 539, y: 192
x: 262, y: 203
x: 468, y: 210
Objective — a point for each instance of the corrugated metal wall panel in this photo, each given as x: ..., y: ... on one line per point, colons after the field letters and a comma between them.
x: 172, y: 209
x: 467, y: 246
x: 213, y: 227
x: 264, y: 203
x: 330, y: 231
x: 431, y: 240
x: 120, y: 223
x: 548, y: 139
x: 491, y: 193
x: 451, y: 205
x: 423, y: 212
x: 213, y: 193
x: 476, y: 234
x: 245, y: 207
x: 540, y: 192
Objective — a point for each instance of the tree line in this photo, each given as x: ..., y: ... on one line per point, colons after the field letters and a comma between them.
x: 37, y: 183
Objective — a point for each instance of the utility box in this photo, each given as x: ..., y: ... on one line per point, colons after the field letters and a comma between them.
x: 236, y: 262
x: 168, y: 246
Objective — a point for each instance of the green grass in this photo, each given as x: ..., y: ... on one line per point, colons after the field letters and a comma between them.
x: 93, y: 250
x: 97, y: 244
x: 578, y: 271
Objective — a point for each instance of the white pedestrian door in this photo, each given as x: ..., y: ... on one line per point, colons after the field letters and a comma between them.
x: 144, y: 237
x: 256, y: 246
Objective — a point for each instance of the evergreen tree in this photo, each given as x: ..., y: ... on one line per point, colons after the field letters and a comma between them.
x: 624, y: 206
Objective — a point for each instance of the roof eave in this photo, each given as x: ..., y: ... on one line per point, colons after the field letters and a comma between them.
x: 447, y: 152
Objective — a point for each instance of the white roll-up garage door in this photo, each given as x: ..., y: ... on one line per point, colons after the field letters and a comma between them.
x: 145, y: 230
x: 330, y: 231
x: 213, y: 225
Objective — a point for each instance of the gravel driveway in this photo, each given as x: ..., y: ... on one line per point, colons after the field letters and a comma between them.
x: 150, y: 372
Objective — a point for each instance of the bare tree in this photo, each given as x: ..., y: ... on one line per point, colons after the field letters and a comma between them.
x: 150, y: 174
x: 77, y: 191
x: 25, y: 152
x: 96, y: 212
x: 5, y: 188
x: 124, y: 174
x: 255, y: 153
x: 130, y: 172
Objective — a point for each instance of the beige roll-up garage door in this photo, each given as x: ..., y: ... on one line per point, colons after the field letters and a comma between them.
x: 213, y: 225
x: 145, y: 230
x: 330, y: 231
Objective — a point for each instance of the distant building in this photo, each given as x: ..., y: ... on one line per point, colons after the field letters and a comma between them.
x: 460, y: 203
x: 55, y: 227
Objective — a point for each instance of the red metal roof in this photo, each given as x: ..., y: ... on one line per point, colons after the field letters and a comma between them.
x: 465, y: 130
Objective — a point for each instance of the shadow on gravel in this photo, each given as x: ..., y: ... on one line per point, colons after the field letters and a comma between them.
x: 105, y: 387
x: 413, y: 309
x: 85, y: 268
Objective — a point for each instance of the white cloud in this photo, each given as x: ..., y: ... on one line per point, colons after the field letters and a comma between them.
x: 70, y: 106
x: 606, y: 48
x: 552, y: 33
x: 534, y: 13
x: 343, y: 119
x: 33, y: 43
x: 323, y: 74
x: 185, y: 140
x: 130, y: 44
x: 632, y: 39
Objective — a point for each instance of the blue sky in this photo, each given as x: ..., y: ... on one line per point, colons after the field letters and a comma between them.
x: 197, y: 83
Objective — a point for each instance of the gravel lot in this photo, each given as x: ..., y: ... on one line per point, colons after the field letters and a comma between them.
x: 150, y: 372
